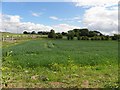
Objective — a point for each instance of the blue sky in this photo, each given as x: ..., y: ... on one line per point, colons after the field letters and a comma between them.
x: 62, y: 10
x: 101, y: 15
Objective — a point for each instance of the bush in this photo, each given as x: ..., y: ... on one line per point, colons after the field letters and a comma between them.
x: 60, y: 36
x: 84, y: 38
x: 52, y: 34
x: 116, y: 37
x: 78, y: 37
x: 68, y: 37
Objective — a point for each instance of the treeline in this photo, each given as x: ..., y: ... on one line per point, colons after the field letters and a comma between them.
x: 39, y: 32
x: 80, y: 34
x: 54, y: 35
x: 85, y: 34
x: 50, y: 34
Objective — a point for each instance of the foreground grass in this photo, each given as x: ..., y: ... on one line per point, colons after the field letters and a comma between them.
x: 59, y: 75
x: 61, y: 63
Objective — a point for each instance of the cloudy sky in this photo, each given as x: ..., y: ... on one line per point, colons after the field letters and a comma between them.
x: 99, y: 15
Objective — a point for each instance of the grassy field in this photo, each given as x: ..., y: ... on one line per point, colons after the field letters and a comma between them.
x: 47, y: 63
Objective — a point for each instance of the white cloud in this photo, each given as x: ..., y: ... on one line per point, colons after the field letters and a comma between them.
x: 94, y: 3
x: 100, y: 15
x: 10, y: 18
x: 0, y: 17
x: 76, y: 18
x: 102, y: 19
x: 67, y: 20
x: 29, y: 26
x: 13, y: 24
x: 36, y: 14
x: 54, y: 18
x: 64, y: 27
x: 10, y: 25
x: 15, y: 18
x: 79, y: 21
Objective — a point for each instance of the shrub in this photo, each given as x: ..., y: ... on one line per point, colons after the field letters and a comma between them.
x: 84, y: 38
x: 52, y: 34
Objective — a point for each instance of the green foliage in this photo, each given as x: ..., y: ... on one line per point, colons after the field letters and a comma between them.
x: 61, y: 64
x: 44, y: 52
x: 84, y: 38
x: 116, y: 37
x: 70, y: 35
x: 59, y: 36
x: 78, y: 37
x: 25, y: 32
x: 52, y: 34
x: 92, y: 34
x: 33, y: 32
x: 85, y: 34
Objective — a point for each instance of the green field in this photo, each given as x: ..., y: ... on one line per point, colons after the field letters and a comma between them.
x: 50, y: 63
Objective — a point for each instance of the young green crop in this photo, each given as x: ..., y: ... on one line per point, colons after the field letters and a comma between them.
x: 44, y: 52
x: 50, y: 63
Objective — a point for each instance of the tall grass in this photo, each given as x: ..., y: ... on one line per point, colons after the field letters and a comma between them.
x: 44, y: 52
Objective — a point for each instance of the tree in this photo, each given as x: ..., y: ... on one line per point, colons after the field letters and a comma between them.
x: 116, y: 37
x: 70, y: 35
x: 77, y: 32
x: 64, y: 33
x: 98, y: 33
x: 59, y: 36
x: 33, y: 32
x: 25, y: 32
x: 40, y: 32
x: 52, y: 34
x: 107, y: 37
x: 78, y: 37
x: 84, y: 38
x: 92, y: 34
x: 84, y: 32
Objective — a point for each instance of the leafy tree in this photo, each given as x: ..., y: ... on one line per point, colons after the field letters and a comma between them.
x: 43, y: 32
x: 116, y: 37
x: 102, y: 37
x: 78, y: 37
x: 40, y: 32
x: 98, y: 33
x: 107, y: 37
x: 59, y: 36
x: 70, y: 35
x: 84, y: 38
x: 33, y: 32
x: 52, y: 34
x: 84, y: 32
x: 76, y: 32
x: 64, y: 33
x: 25, y: 32
x: 92, y: 34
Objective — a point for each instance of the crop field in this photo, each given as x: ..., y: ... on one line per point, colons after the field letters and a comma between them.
x: 48, y: 63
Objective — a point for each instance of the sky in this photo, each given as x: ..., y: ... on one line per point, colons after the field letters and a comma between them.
x: 101, y: 15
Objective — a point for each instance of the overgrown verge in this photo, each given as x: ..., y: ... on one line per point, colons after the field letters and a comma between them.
x: 60, y: 75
